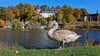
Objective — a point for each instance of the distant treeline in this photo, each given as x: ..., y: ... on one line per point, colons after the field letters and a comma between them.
x: 23, y: 12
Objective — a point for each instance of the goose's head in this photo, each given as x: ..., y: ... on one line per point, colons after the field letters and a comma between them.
x: 51, y: 24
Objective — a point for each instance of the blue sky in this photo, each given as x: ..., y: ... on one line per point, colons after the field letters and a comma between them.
x: 90, y: 5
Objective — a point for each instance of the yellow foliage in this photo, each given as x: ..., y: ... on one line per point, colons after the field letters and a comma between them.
x: 2, y: 23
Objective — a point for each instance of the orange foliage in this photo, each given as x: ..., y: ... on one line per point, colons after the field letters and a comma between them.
x: 77, y: 13
x: 17, y: 13
x: 50, y: 18
x: 72, y: 19
x: 10, y: 11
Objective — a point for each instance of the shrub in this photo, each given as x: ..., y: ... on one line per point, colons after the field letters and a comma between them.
x: 16, y: 24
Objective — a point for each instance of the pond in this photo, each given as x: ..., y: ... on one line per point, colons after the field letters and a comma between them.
x: 39, y: 39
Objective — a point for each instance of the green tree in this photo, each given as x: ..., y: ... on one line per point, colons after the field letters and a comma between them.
x: 20, y: 6
x: 65, y: 7
x: 45, y: 6
x: 16, y: 24
x: 54, y: 18
x: 68, y: 18
x: 3, y: 11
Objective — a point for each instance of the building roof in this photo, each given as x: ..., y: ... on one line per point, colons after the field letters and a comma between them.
x: 92, y: 15
x: 47, y: 10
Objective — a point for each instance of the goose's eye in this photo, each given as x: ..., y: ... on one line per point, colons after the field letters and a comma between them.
x: 53, y: 24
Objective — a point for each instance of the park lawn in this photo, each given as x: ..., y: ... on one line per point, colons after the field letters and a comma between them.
x: 70, y: 51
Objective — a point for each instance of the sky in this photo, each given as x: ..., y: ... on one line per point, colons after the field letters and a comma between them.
x: 91, y: 5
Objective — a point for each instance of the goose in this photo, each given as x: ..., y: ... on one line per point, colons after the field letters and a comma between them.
x: 61, y: 36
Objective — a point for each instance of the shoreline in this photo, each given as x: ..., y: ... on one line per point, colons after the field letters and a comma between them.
x: 71, y: 51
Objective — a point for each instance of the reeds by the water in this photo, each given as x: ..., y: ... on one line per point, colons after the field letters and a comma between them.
x: 6, y: 45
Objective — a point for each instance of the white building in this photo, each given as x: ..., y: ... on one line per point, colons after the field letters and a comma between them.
x: 46, y: 15
x: 46, y: 12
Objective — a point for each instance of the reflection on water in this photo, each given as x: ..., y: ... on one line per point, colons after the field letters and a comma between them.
x: 38, y: 38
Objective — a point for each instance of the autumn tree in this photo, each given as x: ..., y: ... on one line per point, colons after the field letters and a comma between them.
x: 50, y: 18
x: 84, y: 11
x: 9, y: 15
x: 20, y: 7
x: 52, y: 7
x: 2, y: 23
x: 31, y: 12
x: 27, y: 12
x: 72, y: 19
x: 77, y: 13
x: 67, y: 10
x: 16, y: 12
x: 11, y: 7
x: 59, y: 16
x: 58, y: 7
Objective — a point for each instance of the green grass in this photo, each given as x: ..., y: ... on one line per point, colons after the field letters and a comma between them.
x: 70, y: 51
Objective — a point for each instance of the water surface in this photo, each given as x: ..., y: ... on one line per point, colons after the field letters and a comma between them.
x: 39, y: 39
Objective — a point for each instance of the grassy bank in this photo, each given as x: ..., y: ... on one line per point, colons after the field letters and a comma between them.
x: 70, y: 51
